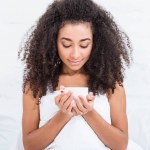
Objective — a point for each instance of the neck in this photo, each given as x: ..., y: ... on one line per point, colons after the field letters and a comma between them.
x: 72, y: 72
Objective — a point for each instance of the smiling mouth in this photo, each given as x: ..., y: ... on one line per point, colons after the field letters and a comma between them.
x: 74, y: 62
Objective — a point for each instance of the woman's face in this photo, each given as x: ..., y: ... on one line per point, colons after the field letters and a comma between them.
x: 74, y: 45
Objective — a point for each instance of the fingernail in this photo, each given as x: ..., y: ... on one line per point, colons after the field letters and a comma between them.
x: 62, y: 88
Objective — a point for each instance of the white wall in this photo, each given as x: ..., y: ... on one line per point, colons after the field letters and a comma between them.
x: 17, y: 16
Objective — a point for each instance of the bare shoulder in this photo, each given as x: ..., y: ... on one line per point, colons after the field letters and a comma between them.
x: 30, y: 111
x: 117, y: 102
x: 29, y: 102
x: 119, y: 93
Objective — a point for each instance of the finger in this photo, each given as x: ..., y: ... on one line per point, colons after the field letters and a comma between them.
x: 62, y: 88
x: 67, y: 103
x: 69, y: 110
x: 58, y: 98
x: 90, y: 96
x: 78, y: 111
x: 69, y: 107
x: 84, y: 102
x: 65, y: 97
x: 74, y: 112
x: 80, y: 105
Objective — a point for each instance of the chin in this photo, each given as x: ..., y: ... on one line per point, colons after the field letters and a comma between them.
x: 75, y: 68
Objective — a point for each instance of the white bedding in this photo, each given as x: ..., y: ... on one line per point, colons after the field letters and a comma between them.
x: 11, y: 111
x: 139, y: 121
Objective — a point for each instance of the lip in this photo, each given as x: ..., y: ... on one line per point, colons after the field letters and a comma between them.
x: 74, y: 62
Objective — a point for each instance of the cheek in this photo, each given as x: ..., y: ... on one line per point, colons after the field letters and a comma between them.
x: 60, y: 49
x: 62, y: 52
x: 88, y: 52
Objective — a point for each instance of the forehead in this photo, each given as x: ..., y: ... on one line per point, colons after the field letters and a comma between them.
x: 78, y: 30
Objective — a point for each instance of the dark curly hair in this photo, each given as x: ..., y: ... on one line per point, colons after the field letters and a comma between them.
x: 111, y: 50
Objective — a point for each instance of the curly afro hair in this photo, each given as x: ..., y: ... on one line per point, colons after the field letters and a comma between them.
x: 111, y: 50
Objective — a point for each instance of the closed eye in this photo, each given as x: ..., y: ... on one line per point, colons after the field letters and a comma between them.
x: 66, y: 46
x: 70, y: 46
x: 84, y: 46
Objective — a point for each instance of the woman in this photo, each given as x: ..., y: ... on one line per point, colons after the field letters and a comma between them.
x: 77, y: 44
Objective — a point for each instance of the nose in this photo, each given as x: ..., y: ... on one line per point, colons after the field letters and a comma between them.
x: 75, y: 53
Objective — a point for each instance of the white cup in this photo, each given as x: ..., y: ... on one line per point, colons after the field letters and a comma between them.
x: 76, y: 90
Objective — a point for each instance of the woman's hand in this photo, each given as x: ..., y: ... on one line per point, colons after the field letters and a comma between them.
x: 65, y: 104
x: 83, y: 105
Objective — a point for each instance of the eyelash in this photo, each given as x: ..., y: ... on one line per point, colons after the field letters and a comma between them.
x: 80, y: 46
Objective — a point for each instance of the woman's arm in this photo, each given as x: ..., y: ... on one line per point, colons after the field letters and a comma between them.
x: 35, y: 138
x: 114, y: 136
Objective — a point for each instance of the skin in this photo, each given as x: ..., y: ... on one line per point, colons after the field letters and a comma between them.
x: 74, y: 46
x: 114, y: 136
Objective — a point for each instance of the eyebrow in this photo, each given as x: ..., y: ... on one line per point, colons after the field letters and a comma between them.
x: 80, y: 40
